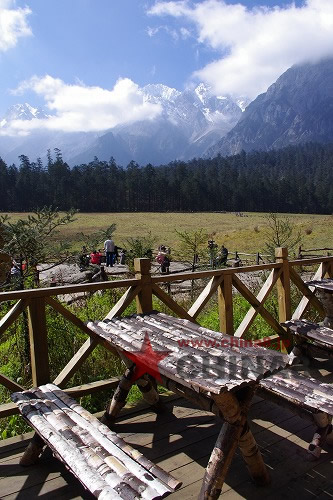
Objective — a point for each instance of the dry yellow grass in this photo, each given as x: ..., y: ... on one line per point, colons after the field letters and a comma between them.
x: 244, y: 234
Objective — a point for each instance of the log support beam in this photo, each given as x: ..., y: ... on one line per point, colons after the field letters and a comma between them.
x: 235, y: 432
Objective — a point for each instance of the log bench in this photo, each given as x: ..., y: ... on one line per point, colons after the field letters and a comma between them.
x: 311, y: 338
x: 304, y: 395
x: 102, y: 461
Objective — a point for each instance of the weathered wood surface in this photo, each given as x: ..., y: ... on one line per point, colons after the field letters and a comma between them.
x: 205, y: 295
x: 181, y: 441
x: 225, y: 304
x: 312, y: 331
x: 198, y: 357
x: 325, y: 284
x: 303, y: 391
x: 7, y: 409
x: 39, y: 356
x: 104, y: 463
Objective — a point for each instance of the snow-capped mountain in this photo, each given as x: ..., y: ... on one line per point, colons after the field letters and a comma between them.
x: 191, y: 121
x: 22, y: 112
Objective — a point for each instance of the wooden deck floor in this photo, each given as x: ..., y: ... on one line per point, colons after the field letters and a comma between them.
x: 181, y: 442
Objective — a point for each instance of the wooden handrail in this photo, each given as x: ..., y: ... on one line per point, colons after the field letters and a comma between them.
x: 67, y: 289
x: 216, y: 272
x: 141, y: 289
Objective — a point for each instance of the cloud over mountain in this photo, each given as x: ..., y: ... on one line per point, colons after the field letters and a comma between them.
x: 256, y: 44
x: 79, y: 108
x: 13, y: 24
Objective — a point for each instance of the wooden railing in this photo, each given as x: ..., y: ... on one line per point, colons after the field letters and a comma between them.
x: 281, y: 274
x: 305, y: 253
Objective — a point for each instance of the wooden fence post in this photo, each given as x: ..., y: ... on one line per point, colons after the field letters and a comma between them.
x: 328, y: 269
x: 144, y: 299
x: 283, y: 286
x: 225, y: 305
x: 40, y: 367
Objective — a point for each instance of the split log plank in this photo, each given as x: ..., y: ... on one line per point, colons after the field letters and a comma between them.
x: 168, y: 368
x: 321, y: 335
x: 100, y: 459
x: 226, y: 357
x: 210, y: 338
x: 213, y: 370
x: 306, y: 392
x: 192, y: 359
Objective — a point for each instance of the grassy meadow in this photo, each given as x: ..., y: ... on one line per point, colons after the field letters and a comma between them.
x: 244, y: 234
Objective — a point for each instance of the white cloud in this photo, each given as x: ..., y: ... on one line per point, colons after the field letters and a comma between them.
x: 185, y: 33
x: 257, y: 44
x: 13, y: 24
x: 152, y: 31
x: 77, y: 108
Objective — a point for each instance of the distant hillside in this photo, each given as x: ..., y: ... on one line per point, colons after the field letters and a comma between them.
x: 298, y: 108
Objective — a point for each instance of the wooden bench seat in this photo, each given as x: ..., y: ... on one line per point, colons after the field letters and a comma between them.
x: 103, y: 462
x: 307, y: 393
x: 318, y: 335
x: 305, y: 396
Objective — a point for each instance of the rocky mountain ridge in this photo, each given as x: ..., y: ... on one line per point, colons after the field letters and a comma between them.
x: 191, y: 121
x: 297, y: 108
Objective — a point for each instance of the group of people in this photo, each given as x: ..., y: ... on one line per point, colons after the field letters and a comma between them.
x: 109, y: 256
x: 163, y: 258
x: 217, y: 258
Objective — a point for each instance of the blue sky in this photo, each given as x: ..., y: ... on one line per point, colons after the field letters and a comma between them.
x: 62, y: 54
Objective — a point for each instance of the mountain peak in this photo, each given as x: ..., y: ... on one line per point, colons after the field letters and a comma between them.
x: 160, y: 91
x: 189, y: 123
x: 23, y: 112
x: 297, y: 108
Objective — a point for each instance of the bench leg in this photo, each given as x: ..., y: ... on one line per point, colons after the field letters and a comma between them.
x: 220, y: 461
x: 32, y: 452
x: 119, y: 398
x: 320, y: 436
x: 253, y: 458
x: 235, y: 432
x: 148, y: 388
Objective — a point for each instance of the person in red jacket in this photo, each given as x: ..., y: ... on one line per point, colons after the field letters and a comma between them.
x: 95, y: 258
